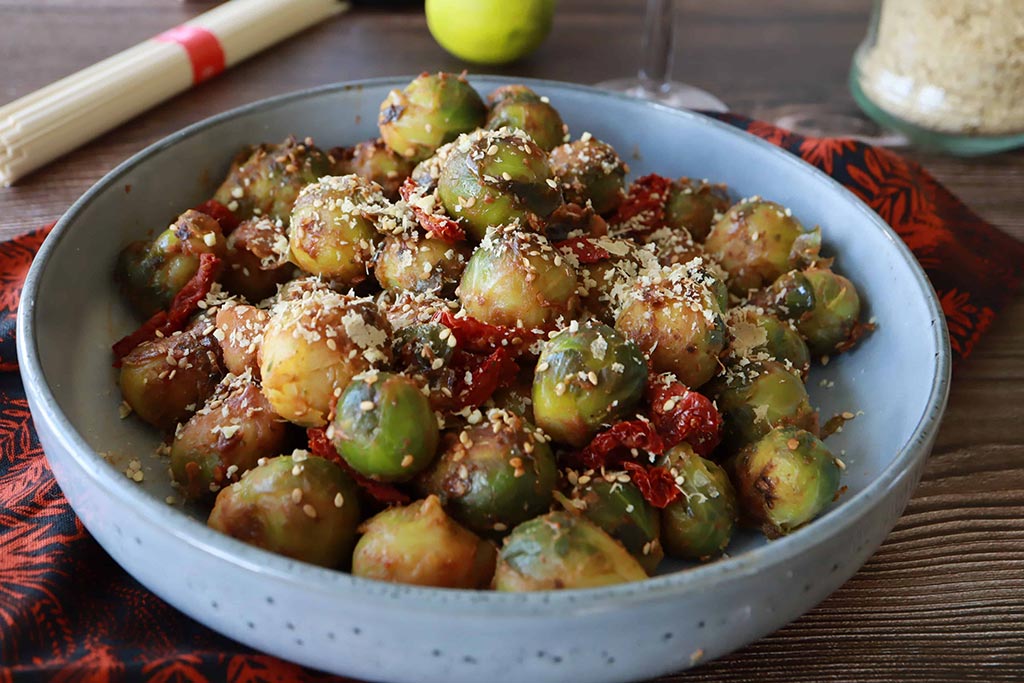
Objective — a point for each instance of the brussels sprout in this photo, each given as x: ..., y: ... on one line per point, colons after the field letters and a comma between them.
x: 151, y: 274
x: 790, y: 296
x: 313, y: 346
x: 590, y: 171
x: 384, y: 427
x: 674, y: 317
x: 493, y: 475
x: 257, y: 259
x: 418, y: 346
x: 587, y: 376
x: 405, y: 308
x: 497, y: 178
x: 515, y: 92
x: 693, y: 205
x: 784, y: 480
x: 528, y: 112
x: 518, y: 279
x: 421, y: 545
x: 699, y: 525
x: 674, y: 246
x: 829, y: 325
x: 572, y: 220
x: 757, y: 240
x: 602, y: 282
x: 416, y: 263
x: 374, y: 160
x: 165, y: 380
x: 563, y: 550
x: 225, y: 438
x: 516, y: 396
x: 240, y: 334
x: 298, y: 505
x: 758, y: 335
x: 758, y: 396
x: 266, y: 180
x: 620, y: 509
x: 431, y: 111
x: 332, y: 230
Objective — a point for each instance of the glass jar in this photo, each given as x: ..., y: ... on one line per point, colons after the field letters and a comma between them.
x: 948, y: 74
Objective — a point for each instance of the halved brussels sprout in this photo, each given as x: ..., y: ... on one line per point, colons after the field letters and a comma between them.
x: 699, y: 525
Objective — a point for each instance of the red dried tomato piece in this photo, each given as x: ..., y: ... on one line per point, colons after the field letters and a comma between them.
x: 436, y: 225
x: 185, y: 303
x: 614, y: 445
x: 645, y: 201
x: 487, y: 373
x: 585, y: 249
x: 683, y: 415
x: 220, y: 213
x: 476, y: 336
x: 655, y: 483
x: 387, y: 494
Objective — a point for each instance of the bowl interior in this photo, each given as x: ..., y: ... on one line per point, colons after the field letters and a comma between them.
x: 890, y: 376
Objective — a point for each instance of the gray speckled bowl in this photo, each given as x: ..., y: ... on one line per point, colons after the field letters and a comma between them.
x: 333, y: 621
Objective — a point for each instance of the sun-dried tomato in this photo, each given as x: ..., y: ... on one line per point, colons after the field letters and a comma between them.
x: 387, y: 494
x: 655, y: 483
x: 645, y: 201
x: 220, y: 213
x: 486, y: 373
x: 683, y: 415
x: 436, y: 225
x: 586, y: 250
x: 615, y: 445
x: 185, y: 303
x: 476, y: 336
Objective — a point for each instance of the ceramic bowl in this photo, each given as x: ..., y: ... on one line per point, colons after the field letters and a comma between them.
x: 332, y: 621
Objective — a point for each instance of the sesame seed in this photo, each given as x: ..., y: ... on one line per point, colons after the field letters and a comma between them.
x: 367, y: 406
x: 792, y: 444
x: 309, y: 511
x: 847, y: 415
x: 339, y: 500
x: 296, y: 495
x: 408, y: 460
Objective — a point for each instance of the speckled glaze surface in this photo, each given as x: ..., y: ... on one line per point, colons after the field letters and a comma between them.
x: 332, y: 621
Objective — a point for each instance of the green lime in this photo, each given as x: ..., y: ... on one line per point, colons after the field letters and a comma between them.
x: 490, y: 31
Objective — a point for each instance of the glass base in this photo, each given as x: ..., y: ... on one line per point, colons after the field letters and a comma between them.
x: 949, y: 143
x: 678, y: 95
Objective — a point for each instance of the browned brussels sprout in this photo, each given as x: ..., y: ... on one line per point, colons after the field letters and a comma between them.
x: 225, y: 439
x: 166, y: 379
x: 432, y: 110
x: 784, y: 480
x: 602, y: 281
x: 421, y: 545
x: 517, y: 279
x: 695, y: 205
x: 266, y: 180
x: 496, y: 178
x: 374, y: 161
x: 756, y: 334
x: 590, y: 171
x: 563, y: 550
x: 298, y: 505
x: 257, y: 259
x: 527, y: 111
x: 151, y: 274
x: 674, y: 246
x: 620, y: 509
x: 416, y: 263
x: 756, y: 241
x: 698, y: 525
x: 829, y: 326
x: 240, y: 333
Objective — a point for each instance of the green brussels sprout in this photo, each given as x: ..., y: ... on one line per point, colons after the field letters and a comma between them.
x: 374, y: 160
x: 266, y: 180
x: 673, y: 315
x: 240, y: 335
x: 419, y: 544
x: 418, y: 346
x: 151, y: 274
x: 517, y: 279
x: 496, y: 178
x: 699, y: 525
x: 432, y: 110
x: 694, y: 205
x: 257, y: 259
x: 756, y: 241
x: 601, y: 282
x: 416, y: 263
x: 225, y: 438
x: 563, y: 550
x: 384, y: 427
x: 332, y: 228
x: 754, y: 334
x: 512, y: 93
x: 164, y: 380
x: 620, y: 509
x: 587, y: 376
x: 829, y: 326
x: 493, y: 475
x: 784, y: 480
x: 313, y: 346
x: 589, y: 170
x: 758, y: 396
x: 790, y: 296
x: 298, y: 505
x: 528, y: 112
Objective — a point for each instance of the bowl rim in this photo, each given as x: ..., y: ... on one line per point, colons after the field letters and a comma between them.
x: 329, y: 582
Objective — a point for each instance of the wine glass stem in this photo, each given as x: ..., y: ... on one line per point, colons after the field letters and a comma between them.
x: 657, y: 45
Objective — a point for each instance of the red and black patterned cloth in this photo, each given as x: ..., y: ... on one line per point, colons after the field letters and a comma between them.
x: 68, y: 613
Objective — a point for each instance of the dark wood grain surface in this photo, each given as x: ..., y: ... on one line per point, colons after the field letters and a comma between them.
x: 943, y: 599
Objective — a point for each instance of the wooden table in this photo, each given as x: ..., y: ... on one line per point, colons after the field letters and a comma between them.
x: 944, y: 597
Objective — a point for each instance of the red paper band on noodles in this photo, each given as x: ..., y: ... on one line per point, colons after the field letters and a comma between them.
x: 202, y: 47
